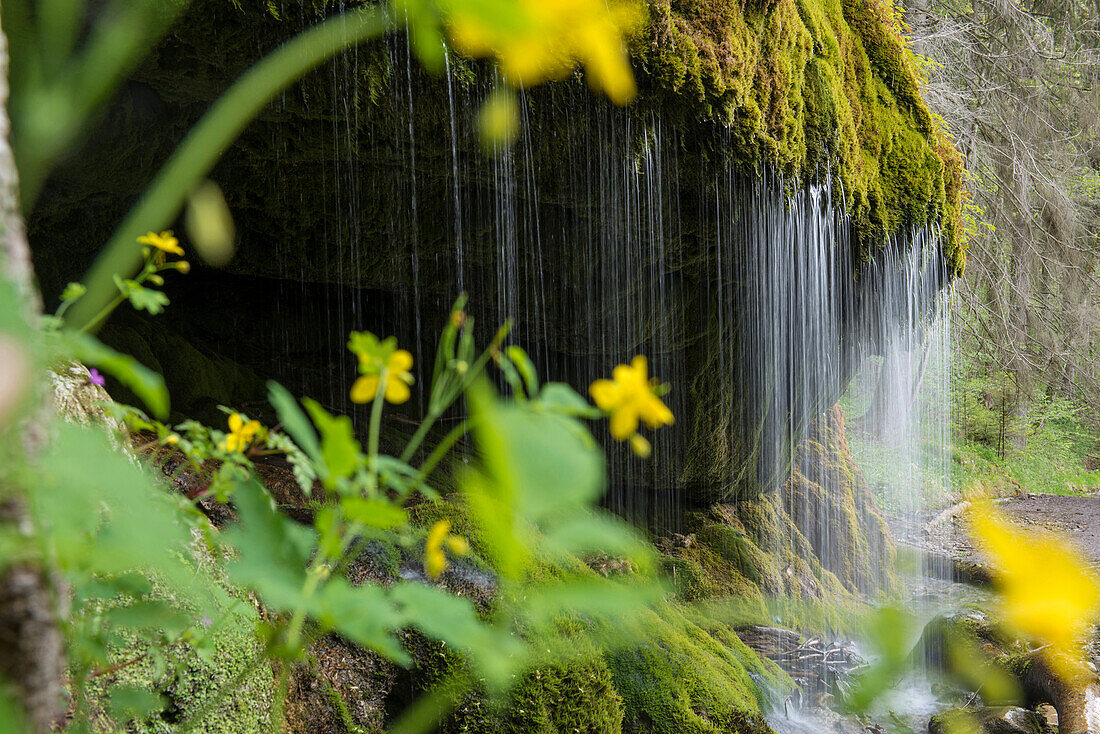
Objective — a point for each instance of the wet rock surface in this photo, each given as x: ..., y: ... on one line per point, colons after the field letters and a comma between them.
x: 992, y: 720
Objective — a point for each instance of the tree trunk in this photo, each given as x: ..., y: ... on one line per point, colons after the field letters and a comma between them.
x: 32, y: 654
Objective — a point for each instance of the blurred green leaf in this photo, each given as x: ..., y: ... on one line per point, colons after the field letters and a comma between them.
x: 293, y: 419
x: 539, y: 460
x: 561, y: 398
x: 132, y: 702
x: 209, y: 224
x: 373, y: 513
x: 106, y: 528
x: 339, y: 449
x: 890, y: 635
x: 525, y: 367
x: 364, y: 615
x: 453, y: 619
x: 273, y: 550
x: 73, y: 291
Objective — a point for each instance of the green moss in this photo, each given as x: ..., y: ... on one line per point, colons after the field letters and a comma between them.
x: 812, y: 539
x: 574, y: 696
x: 189, y: 678
x: 686, y: 680
x: 734, y: 546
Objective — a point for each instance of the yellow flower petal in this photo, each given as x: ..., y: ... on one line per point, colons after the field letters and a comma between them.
x: 604, y: 393
x: 624, y: 423
x: 655, y: 413
x: 435, y: 561
x: 1046, y: 588
x: 164, y: 241
x: 397, y: 391
x: 400, y: 361
x: 640, y: 446
x: 364, y: 389
x: 458, y: 545
x: 235, y: 422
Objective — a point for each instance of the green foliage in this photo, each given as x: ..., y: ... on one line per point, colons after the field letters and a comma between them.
x: 1011, y: 437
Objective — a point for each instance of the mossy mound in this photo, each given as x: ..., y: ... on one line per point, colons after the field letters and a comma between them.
x: 576, y: 695
x: 685, y: 679
x: 190, y: 679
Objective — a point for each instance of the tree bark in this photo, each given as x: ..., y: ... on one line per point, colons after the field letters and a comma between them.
x: 32, y: 654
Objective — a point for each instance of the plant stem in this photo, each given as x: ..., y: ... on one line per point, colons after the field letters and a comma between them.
x: 440, y: 451
x: 421, y: 432
x: 375, y: 430
x: 103, y: 313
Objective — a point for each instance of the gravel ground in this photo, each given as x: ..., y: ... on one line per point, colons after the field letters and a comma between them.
x: 1076, y: 518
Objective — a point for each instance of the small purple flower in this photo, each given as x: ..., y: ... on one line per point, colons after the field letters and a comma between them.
x: 95, y: 378
x: 206, y: 621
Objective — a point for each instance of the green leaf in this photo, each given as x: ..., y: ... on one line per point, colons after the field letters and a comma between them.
x: 539, y: 459
x: 108, y: 528
x: 590, y: 531
x: 340, y: 452
x: 453, y: 619
x: 72, y: 292
x: 374, y: 513
x: 401, y: 477
x: 364, y: 615
x: 525, y: 367
x: 293, y: 419
x: 142, y: 381
x: 273, y: 550
x: 145, y: 299
x: 151, y: 615
x: 561, y: 398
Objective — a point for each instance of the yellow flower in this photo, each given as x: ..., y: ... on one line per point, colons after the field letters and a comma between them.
x: 1046, y: 589
x: 545, y: 39
x: 164, y: 242
x: 435, y: 559
x: 630, y: 396
x: 240, y: 433
x: 374, y: 357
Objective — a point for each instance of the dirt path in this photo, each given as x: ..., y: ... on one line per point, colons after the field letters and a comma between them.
x: 1074, y: 517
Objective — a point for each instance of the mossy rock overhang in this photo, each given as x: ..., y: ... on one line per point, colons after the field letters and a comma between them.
x: 812, y: 89
x: 321, y: 186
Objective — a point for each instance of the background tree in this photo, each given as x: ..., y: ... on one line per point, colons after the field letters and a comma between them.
x: 1016, y: 81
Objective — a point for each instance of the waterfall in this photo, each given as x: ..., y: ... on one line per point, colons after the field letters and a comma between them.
x: 604, y: 233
